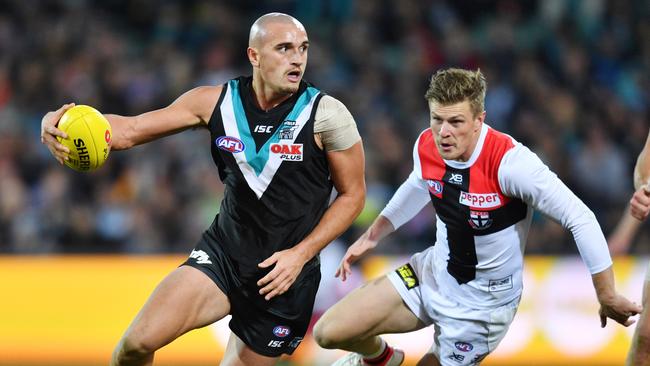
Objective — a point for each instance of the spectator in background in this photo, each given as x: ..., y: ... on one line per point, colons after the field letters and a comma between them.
x: 378, y: 58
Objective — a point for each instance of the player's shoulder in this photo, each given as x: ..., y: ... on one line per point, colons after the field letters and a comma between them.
x: 207, y: 91
x: 330, y: 103
x: 329, y: 108
x: 499, y: 140
x: 425, y: 141
x: 496, y: 145
x: 200, y: 101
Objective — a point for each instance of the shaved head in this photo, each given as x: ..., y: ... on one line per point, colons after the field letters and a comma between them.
x: 259, y: 29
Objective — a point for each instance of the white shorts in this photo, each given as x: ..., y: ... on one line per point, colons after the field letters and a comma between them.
x: 463, y: 336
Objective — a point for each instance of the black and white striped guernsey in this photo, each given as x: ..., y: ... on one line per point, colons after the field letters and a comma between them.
x: 277, y: 179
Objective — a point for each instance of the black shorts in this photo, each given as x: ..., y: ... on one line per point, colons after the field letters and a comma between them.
x: 269, y: 328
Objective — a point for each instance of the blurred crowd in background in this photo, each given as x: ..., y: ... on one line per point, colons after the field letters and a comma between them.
x: 568, y: 78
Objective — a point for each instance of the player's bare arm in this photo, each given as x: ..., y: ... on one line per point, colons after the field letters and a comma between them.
x: 192, y: 109
x: 642, y: 167
x: 379, y: 229
x: 347, y: 170
x: 640, y: 201
x: 613, y: 305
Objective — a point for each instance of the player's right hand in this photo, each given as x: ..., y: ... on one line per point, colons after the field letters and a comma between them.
x: 640, y: 203
x: 619, y: 309
x: 49, y: 132
x: 354, y: 252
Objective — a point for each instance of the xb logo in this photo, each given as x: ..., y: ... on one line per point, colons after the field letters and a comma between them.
x: 456, y: 178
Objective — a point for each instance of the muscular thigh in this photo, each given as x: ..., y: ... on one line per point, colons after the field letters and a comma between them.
x: 186, y: 299
x: 374, y: 308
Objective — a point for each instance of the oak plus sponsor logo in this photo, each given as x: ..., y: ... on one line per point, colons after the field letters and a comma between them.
x: 480, y: 200
x: 287, y: 152
x: 230, y: 144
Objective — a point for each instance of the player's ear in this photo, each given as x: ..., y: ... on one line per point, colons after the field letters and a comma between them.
x: 253, y: 56
x: 480, y: 119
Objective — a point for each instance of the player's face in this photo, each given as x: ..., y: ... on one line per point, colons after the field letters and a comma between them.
x: 282, y: 57
x: 456, y: 129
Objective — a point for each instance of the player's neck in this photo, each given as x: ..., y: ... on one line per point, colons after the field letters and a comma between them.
x: 266, y: 98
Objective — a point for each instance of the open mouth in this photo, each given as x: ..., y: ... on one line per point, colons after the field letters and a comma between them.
x: 294, y: 76
x: 446, y: 146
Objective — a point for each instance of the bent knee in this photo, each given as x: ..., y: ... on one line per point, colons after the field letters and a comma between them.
x: 328, y: 335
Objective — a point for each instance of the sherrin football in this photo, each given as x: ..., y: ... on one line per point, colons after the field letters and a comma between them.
x: 89, y: 137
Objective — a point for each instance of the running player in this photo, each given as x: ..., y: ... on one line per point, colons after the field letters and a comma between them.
x: 484, y: 186
x: 280, y: 145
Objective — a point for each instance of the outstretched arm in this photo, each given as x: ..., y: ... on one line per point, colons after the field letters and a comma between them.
x: 524, y: 176
x: 409, y: 199
x: 191, y: 109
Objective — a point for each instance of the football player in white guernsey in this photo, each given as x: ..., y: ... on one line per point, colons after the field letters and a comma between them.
x: 189, y: 298
x: 484, y: 186
x: 639, y: 354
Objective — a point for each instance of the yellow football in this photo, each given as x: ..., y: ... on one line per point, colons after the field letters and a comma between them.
x: 89, y: 137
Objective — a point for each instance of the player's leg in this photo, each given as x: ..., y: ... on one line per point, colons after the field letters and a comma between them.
x: 186, y: 299
x: 639, y: 354
x: 239, y: 354
x: 354, y: 323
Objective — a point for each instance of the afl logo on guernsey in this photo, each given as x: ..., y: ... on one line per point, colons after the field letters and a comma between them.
x: 435, y: 187
x: 230, y: 144
x: 281, y: 331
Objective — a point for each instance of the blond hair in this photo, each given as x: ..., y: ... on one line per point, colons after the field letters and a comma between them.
x: 451, y: 86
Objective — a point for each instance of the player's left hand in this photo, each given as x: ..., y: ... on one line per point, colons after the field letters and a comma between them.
x: 288, y: 264
x: 619, y: 309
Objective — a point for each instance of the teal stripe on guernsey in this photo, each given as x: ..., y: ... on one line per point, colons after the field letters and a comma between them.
x: 257, y: 159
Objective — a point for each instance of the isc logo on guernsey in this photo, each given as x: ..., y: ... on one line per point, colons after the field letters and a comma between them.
x: 230, y: 144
